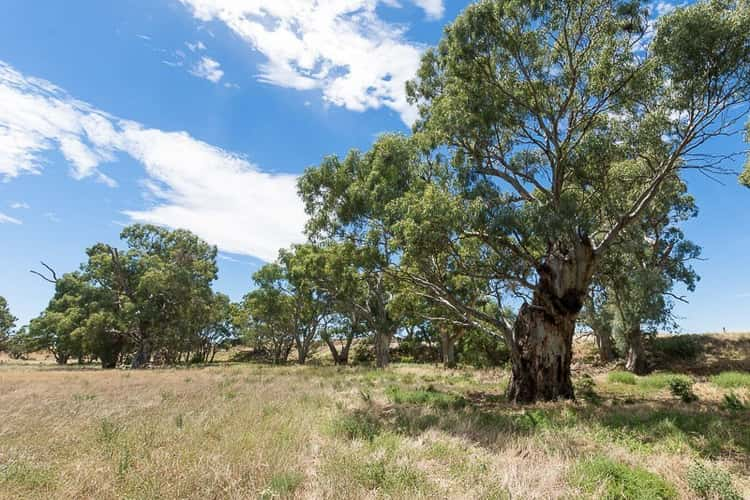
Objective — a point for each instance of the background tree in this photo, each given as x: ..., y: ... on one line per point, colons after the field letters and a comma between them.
x: 598, y: 316
x: 641, y: 272
x: 562, y: 121
x: 347, y: 202
x: 270, y: 314
x: 7, y: 324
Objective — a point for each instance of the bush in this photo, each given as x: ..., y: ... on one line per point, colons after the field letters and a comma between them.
x: 733, y: 402
x: 682, y: 389
x: 482, y: 350
x: 606, y: 479
x: 732, y: 380
x: 621, y: 378
x: 683, y: 347
x: 711, y: 482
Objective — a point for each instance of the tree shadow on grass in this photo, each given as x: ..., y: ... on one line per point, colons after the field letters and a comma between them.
x: 492, y: 422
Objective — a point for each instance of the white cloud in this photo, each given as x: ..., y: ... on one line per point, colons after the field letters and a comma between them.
x: 208, y: 69
x: 341, y: 47
x: 7, y: 219
x: 218, y: 195
x: 433, y: 8
x: 19, y: 205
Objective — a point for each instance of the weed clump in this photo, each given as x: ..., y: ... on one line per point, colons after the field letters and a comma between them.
x: 711, y: 482
x: 733, y: 402
x: 683, y: 389
x: 357, y: 426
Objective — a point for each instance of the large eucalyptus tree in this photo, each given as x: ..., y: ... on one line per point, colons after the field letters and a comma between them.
x: 562, y: 121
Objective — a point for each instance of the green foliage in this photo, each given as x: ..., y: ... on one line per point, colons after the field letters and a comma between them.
x: 7, y: 324
x: 683, y: 389
x: 621, y: 378
x: 153, y: 297
x: 731, y: 380
x: 482, y: 350
x: 711, y: 482
x: 605, y: 479
x: 733, y: 402
x: 677, y: 347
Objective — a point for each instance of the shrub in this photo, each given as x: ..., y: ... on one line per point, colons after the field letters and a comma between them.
x: 711, y: 482
x: 732, y: 380
x: 682, y: 389
x: 684, y: 347
x: 603, y: 478
x: 733, y: 402
x: 621, y: 378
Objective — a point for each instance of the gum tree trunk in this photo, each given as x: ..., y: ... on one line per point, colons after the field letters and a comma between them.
x: 448, y: 348
x: 542, y: 337
x: 604, y: 345
x: 382, y: 349
x: 635, y: 360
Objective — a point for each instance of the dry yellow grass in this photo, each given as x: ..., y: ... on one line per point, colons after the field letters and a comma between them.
x: 253, y: 431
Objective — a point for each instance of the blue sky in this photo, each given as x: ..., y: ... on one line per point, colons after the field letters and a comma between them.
x: 200, y: 114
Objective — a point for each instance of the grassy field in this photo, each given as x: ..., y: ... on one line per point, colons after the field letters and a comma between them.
x: 413, y: 431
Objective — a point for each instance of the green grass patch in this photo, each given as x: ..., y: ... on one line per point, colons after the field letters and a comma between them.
x: 621, y: 378
x: 676, y: 431
x: 356, y: 426
x: 283, y: 484
x: 603, y: 478
x: 662, y: 380
x: 428, y: 396
x: 390, y: 478
x: 711, y: 482
x: 24, y: 475
x: 732, y: 380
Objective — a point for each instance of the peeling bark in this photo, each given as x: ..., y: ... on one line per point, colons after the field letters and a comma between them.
x: 604, y: 345
x: 448, y: 348
x: 382, y: 349
x: 543, y: 332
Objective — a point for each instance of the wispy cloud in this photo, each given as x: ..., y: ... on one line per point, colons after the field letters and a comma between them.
x: 343, y: 48
x: 52, y: 216
x: 219, y: 195
x: 7, y: 219
x: 207, y: 69
x: 19, y: 205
